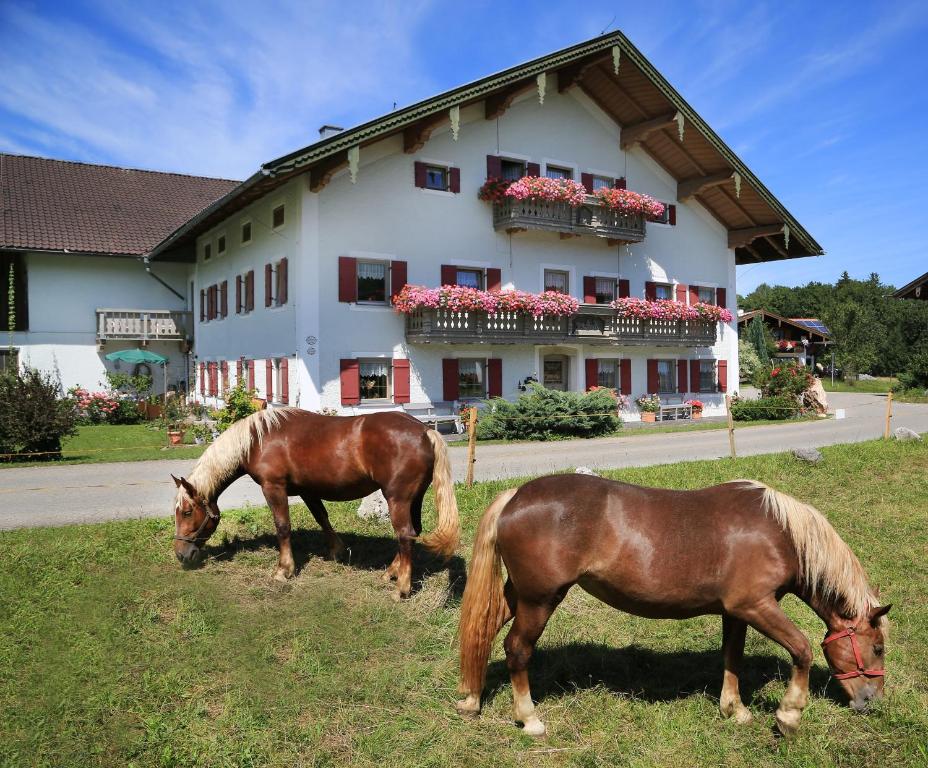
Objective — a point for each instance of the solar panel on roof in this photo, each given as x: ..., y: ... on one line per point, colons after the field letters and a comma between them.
x: 814, y: 325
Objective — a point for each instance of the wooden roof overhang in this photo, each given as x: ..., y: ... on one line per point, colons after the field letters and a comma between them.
x: 618, y: 78
x: 917, y: 289
x: 780, y: 320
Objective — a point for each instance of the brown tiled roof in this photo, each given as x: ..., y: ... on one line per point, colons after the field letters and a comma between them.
x: 54, y: 205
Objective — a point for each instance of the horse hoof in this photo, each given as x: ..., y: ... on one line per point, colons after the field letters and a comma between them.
x: 468, y: 708
x: 743, y: 716
x: 282, y: 576
x: 533, y: 727
x: 388, y: 576
x: 788, y: 721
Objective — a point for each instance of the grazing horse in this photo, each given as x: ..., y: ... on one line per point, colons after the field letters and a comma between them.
x: 288, y: 451
x: 733, y: 549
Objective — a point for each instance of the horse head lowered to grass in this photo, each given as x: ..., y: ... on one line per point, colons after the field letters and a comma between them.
x: 288, y: 451
x: 733, y: 549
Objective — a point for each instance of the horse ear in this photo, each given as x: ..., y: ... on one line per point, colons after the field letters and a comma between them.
x: 191, y: 491
x: 878, y: 612
x: 177, y: 481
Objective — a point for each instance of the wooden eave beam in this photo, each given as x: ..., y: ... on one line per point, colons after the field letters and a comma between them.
x: 690, y: 187
x: 738, y: 238
x: 638, y: 132
x: 322, y: 173
x: 415, y: 135
x: 497, y: 103
x: 568, y: 77
x: 776, y: 246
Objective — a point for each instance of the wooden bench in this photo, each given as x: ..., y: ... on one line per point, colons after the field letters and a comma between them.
x: 673, y: 408
x: 435, y: 414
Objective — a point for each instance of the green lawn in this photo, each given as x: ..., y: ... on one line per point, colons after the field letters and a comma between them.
x: 879, y: 385
x: 110, y: 655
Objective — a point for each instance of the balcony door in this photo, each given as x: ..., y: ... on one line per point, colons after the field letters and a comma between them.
x: 554, y: 374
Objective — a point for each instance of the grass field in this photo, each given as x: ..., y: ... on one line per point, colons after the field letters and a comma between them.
x: 879, y: 385
x: 110, y: 655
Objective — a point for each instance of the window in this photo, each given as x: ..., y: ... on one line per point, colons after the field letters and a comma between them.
x: 9, y: 360
x: 707, y: 375
x: 513, y: 170
x: 666, y: 376
x: 275, y: 284
x: 375, y: 379
x: 602, y: 182
x: 472, y: 381
x: 246, y: 232
x: 607, y: 374
x: 207, y: 251
x: 372, y: 282
x: 706, y: 295
x: 471, y: 278
x: 556, y: 280
x: 669, y: 216
x: 277, y: 216
x: 221, y: 245
x: 663, y: 291
x: 555, y: 172
x: 245, y: 292
x: 605, y: 289
x: 436, y: 177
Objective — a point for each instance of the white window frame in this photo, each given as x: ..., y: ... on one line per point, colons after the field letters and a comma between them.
x: 435, y: 163
x: 572, y: 167
x: 515, y: 157
x: 673, y: 372
x: 387, y: 361
x: 386, y: 279
x: 244, y: 275
x: 715, y: 375
x: 666, y: 213
x: 569, y: 269
x: 485, y: 362
x: 664, y: 283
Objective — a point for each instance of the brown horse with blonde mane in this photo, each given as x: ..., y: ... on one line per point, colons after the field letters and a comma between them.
x: 289, y: 452
x: 733, y: 549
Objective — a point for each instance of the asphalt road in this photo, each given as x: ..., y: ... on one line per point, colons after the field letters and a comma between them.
x: 85, y: 493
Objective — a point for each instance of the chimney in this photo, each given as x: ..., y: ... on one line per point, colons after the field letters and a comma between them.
x: 329, y: 130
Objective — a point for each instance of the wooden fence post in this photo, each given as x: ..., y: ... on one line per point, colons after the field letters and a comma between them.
x: 471, y: 445
x: 889, y: 414
x: 731, y: 427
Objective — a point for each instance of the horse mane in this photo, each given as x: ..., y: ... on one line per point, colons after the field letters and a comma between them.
x: 827, y: 566
x: 223, y: 457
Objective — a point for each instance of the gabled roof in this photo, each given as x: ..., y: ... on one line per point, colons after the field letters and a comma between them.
x: 55, y: 205
x: 636, y: 96
x: 803, y: 324
x: 917, y: 289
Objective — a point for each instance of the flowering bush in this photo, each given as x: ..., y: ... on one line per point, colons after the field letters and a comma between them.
x: 542, y: 188
x: 784, y: 345
x: 629, y: 202
x: 93, y: 407
x: 696, y: 405
x: 648, y: 403
x: 555, y: 303
x: 493, y: 190
x: 787, y: 381
x: 458, y: 298
x: 621, y: 401
x: 667, y: 309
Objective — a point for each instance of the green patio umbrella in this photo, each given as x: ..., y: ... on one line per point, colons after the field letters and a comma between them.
x: 136, y: 356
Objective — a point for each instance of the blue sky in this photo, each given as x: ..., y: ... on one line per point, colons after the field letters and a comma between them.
x: 827, y: 102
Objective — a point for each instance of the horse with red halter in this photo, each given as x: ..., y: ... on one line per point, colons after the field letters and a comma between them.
x: 733, y: 549
x: 288, y: 452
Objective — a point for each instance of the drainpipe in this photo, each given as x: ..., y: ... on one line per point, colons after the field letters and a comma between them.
x: 147, y: 262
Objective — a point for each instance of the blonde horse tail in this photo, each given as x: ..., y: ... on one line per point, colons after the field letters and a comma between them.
x: 483, y: 609
x: 445, y: 538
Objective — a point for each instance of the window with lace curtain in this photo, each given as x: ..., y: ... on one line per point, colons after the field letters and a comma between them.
x: 667, y: 376
x: 605, y: 289
x: 607, y: 374
x: 556, y: 280
x: 472, y: 382
x: 372, y: 282
x: 375, y: 379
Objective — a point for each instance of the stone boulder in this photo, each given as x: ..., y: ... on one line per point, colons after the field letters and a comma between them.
x: 374, y: 507
x: 814, y: 398
x: 905, y: 434
x: 585, y: 471
x: 811, y: 455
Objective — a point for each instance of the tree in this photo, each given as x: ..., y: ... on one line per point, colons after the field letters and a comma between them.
x: 748, y: 361
x: 757, y: 335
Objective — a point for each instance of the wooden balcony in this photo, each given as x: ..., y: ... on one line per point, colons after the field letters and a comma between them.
x: 590, y: 218
x: 592, y: 325
x: 144, y: 325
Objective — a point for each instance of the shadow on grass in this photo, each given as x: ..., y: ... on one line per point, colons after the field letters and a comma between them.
x: 648, y: 675
x: 366, y: 553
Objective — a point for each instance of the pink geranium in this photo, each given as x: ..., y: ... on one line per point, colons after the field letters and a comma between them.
x: 667, y: 309
x: 458, y: 298
x: 627, y: 201
x: 552, y: 190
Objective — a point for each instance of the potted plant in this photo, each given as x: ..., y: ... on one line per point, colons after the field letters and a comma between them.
x: 174, y: 419
x: 696, y: 406
x: 648, y: 405
x: 202, y: 432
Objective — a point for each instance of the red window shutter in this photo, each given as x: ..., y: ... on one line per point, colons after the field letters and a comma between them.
x: 251, y: 375
x: 586, y: 179
x: 224, y: 368
x: 398, y: 277
x: 624, y: 289
x: 419, y: 173
x: 682, y: 384
x: 269, y: 379
x: 454, y: 180
x: 285, y: 381
x: 250, y: 290
x: 494, y: 167
x: 695, y: 378
x: 619, y: 183
x: 653, y: 379
x: 721, y: 297
x: 672, y: 215
x: 400, y: 380
x: 203, y: 379
x: 625, y: 376
x: 449, y: 377
x: 449, y: 274
x: 494, y: 279
x: 213, y: 302
x: 282, y: 270
x: 202, y: 305
x: 213, y: 379
x: 238, y: 371
x: 681, y: 292
x: 532, y: 169
x: 723, y: 375
x: 592, y: 373
x: 268, y: 287
x: 494, y: 377
x: 224, y: 298
x: 589, y: 290
x: 350, y: 377
x: 238, y: 294
x: 694, y: 294
x: 650, y: 291
x: 347, y: 279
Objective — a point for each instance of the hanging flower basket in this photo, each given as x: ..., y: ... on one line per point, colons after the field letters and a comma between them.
x: 627, y: 201
x: 457, y: 298
x: 551, y: 190
x: 667, y: 309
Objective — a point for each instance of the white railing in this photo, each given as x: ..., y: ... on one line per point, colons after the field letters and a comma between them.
x: 143, y: 325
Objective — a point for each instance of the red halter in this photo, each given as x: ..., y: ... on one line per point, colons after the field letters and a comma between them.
x: 861, y: 670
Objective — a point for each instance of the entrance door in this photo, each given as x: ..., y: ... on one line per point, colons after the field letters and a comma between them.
x: 555, y: 372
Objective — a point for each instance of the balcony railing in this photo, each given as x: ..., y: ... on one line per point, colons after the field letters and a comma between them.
x: 591, y: 325
x: 143, y: 325
x: 591, y: 218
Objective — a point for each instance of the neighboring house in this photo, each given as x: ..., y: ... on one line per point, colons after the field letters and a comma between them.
x: 805, y: 339
x: 917, y: 289
x: 74, y: 235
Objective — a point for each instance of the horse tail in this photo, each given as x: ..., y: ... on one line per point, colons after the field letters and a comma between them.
x: 483, y: 609
x: 445, y: 538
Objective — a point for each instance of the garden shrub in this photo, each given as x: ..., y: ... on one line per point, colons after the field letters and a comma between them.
x: 788, y: 380
x: 33, y: 418
x: 546, y: 414
x: 749, y: 363
x: 126, y: 412
x: 779, y: 407
x: 239, y: 404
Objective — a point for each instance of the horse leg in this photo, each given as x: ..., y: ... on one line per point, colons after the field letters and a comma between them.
x: 276, y: 496
x: 415, y: 512
x: 405, y: 534
x: 733, y: 632
x: 530, y: 621
x: 769, y: 619
x: 334, y: 541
